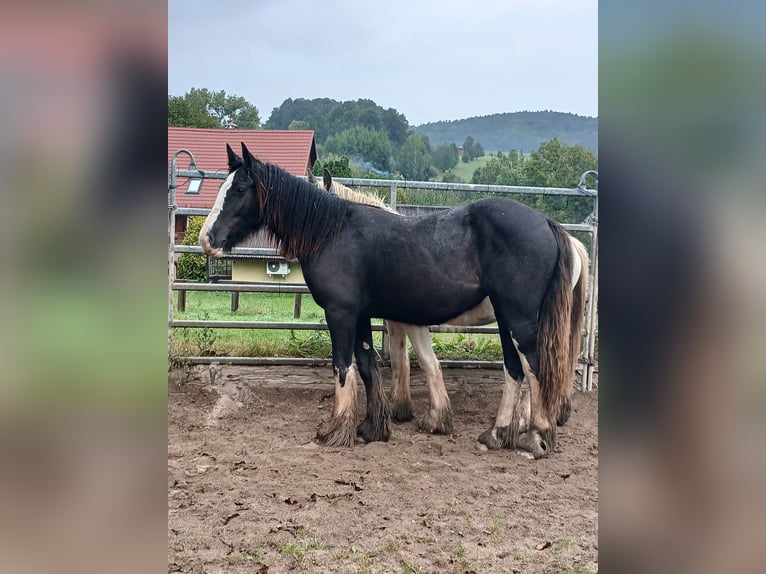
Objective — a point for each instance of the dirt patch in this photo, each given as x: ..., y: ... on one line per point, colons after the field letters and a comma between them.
x: 248, y: 490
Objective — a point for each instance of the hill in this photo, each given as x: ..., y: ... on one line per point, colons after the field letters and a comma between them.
x: 522, y: 131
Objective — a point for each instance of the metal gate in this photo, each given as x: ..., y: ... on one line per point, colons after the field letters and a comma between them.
x: 587, y: 361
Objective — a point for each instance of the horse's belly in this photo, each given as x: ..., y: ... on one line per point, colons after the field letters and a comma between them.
x: 422, y: 306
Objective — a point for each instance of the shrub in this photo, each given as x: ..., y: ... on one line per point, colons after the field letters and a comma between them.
x: 191, y: 266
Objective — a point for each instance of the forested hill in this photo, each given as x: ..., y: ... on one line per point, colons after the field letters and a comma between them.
x: 522, y: 131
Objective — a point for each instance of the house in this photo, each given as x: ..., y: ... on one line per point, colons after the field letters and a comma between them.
x: 292, y: 150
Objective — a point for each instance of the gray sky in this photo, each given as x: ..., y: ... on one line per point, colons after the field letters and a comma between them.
x: 431, y: 60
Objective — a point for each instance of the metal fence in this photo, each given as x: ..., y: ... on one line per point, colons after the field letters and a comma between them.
x: 587, y: 362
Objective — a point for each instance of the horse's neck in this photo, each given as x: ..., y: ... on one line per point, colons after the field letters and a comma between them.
x: 299, y: 215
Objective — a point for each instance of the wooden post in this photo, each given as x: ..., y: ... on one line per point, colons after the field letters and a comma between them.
x: 182, y: 301
x: 234, y: 301
x: 297, y: 310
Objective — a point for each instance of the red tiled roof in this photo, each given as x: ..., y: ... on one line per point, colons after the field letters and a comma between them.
x: 292, y: 150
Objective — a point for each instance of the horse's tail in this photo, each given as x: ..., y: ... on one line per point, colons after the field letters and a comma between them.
x: 560, y: 324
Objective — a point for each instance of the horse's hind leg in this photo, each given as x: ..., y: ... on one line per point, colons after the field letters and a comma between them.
x: 401, y: 400
x: 511, y: 414
x: 340, y: 429
x: 377, y: 424
x: 439, y: 418
x: 540, y: 439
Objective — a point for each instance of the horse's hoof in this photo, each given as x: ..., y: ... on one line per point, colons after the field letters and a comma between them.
x: 536, y: 443
x: 564, y: 412
x: 437, y: 424
x: 336, y: 432
x: 401, y: 412
x: 369, y: 432
x: 491, y: 439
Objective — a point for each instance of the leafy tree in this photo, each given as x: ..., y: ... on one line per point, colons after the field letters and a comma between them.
x: 445, y: 157
x: 329, y: 117
x: 554, y: 164
x: 415, y: 158
x: 190, y: 110
x: 471, y: 149
x: 201, y: 108
x: 450, y: 176
x: 371, y: 145
x: 247, y: 117
x: 192, y: 266
x: 338, y: 166
x: 298, y: 125
x: 396, y: 125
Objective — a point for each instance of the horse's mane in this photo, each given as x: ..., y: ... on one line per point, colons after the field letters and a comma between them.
x: 298, y: 215
x: 367, y: 198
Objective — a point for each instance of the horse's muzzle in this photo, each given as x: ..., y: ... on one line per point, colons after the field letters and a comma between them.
x: 205, y: 241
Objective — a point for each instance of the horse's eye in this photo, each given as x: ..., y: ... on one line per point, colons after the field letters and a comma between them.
x: 241, y: 189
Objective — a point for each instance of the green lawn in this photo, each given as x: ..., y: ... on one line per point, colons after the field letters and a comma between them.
x: 465, y: 170
x: 203, y: 305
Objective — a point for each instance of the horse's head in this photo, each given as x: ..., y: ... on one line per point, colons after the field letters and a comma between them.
x: 237, y: 211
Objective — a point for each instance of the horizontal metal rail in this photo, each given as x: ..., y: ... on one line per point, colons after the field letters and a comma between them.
x: 588, y: 366
x: 205, y: 360
x: 430, y: 185
x: 307, y: 326
x: 242, y: 287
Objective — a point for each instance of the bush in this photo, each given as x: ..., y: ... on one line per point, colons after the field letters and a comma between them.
x: 191, y: 266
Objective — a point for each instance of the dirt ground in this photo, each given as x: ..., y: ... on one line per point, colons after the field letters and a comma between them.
x: 249, y: 491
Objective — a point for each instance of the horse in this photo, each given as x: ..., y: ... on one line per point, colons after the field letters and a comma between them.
x: 352, y: 259
x: 439, y: 418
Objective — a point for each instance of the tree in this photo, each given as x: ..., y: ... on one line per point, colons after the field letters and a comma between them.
x: 298, y: 125
x: 471, y: 149
x: 201, y: 108
x: 190, y: 110
x: 554, y: 164
x: 415, y: 158
x: 370, y: 145
x: 445, y: 157
x: 337, y: 165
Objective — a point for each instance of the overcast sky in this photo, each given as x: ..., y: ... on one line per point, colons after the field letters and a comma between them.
x: 431, y: 60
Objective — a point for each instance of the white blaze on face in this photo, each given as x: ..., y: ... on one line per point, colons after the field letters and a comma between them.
x: 213, y: 216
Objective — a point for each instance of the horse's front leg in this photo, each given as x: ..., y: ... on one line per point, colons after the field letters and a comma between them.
x: 340, y: 429
x: 377, y: 424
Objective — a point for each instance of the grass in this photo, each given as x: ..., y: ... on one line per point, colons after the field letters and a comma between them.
x: 561, y: 545
x: 273, y: 307
x: 494, y: 525
x: 465, y: 170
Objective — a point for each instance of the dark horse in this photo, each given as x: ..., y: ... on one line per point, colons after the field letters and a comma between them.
x: 360, y: 262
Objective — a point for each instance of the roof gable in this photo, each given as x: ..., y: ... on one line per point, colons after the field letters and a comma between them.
x: 292, y: 150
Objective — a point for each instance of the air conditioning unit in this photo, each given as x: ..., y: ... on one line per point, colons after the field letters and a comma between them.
x: 277, y: 268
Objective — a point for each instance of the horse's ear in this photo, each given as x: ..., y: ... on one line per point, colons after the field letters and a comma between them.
x: 327, y: 177
x: 234, y: 160
x: 311, y: 178
x: 250, y: 160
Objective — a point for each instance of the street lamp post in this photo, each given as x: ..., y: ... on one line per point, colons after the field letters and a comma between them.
x: 172, y: 239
